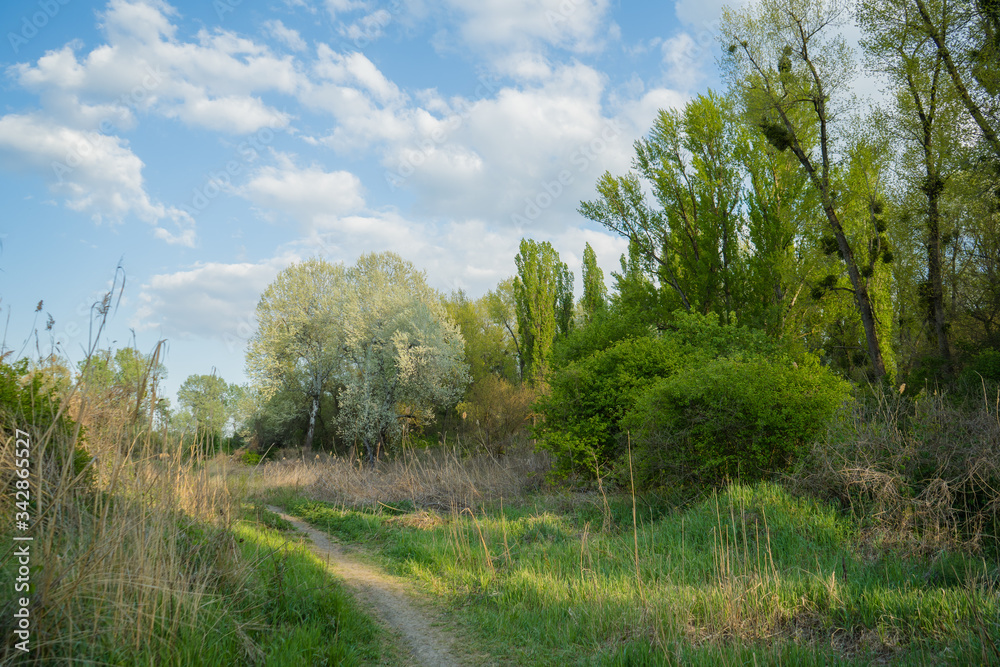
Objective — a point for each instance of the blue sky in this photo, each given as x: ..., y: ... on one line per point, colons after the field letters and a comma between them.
x: 207, y: 145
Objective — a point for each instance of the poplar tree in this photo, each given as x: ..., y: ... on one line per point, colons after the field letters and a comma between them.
x: 543, y: 297
x: 595, y: 293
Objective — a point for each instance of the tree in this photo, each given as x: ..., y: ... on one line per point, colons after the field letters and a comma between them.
x: 966, y: 36
x: 543, y: 294
x: 403, y: 356
x: 789, y: 68
x: 502, y: 309
x: 689, y: 163
x: 299, y: 339
x: 925, y: 116
x: 595, y: 294
x: 211, y: 403
x: 489, y: 345
x: 124, y: 379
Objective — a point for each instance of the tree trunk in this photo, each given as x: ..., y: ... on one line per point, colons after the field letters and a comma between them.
x: 313, y: 411
x: 861, y: 297
x: 934, y: 268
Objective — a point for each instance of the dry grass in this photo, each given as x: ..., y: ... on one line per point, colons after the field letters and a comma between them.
x: 922, y: 475
x: 440, y: 478
x: 119, y: 560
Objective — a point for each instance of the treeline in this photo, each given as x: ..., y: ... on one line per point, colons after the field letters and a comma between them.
x: 783, y: 237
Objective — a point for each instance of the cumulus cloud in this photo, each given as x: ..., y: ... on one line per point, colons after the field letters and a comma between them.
x: 287, y: 36
x: 576, y: 25
x: 144, y: 66
x: 95, y: 173
x: 313, y: 197
x: 519, y: 156
x: 208, y: 300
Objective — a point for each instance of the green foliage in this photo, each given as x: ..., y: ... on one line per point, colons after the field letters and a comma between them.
x: 543, y: 296
x: 251, y: 458
x: 490, y: 348
x: 589, y: 396
x: 983, y: 367
x: 732, y: 418
x: 595, y: 294
x: 689, y: 161
x: 30, y: 401
x: 210, y: 401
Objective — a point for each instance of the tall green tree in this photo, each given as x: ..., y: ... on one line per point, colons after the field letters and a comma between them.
x: 595, y: 293
x: 966, y: 36
x: 793, y: 69
x: 210, y: 401
x: 542, y: 288
x: 925, y: 117
x: 689, y: 163
x: 299, y: 339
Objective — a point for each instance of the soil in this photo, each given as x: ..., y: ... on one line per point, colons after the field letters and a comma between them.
x: 391, y: 600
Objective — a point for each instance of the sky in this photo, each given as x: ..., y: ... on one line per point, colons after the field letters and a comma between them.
x: 203, y: 146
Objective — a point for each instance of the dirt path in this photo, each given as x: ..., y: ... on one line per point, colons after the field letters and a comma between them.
x: 391, y: 599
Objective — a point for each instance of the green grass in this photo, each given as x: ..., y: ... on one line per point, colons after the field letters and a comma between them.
x: 749, y: 575
x: 266, y: 600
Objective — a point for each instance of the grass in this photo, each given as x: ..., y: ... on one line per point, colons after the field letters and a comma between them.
x: 143, y: 554
x: 748, y: 575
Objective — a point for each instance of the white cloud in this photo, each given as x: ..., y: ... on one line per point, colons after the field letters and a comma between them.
x: 313, y: 197
x: 143, y: 66
x: 335, y: 7
x: 232, y: 114
x: 684, y: 58
x: 368, y: 28
x: 95, y: 173
x: 209, y: 300
x: 287, y: 36
x: 501, y: 158
x: 577, y: 25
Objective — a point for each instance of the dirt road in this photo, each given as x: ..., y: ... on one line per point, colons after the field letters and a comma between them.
x: 389, y: 599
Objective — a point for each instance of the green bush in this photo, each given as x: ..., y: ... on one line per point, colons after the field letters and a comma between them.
x: 588, y: 398
x: 251, y: 458
x: 982, y: 368
x: 732, y: 418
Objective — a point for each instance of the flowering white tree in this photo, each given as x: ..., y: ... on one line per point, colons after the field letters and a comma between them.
x: 299, y: 339
x: 403, y: 355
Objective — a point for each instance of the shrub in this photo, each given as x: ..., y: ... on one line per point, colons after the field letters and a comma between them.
x: 31, y: 401
x: 495, y: 412
x: 732, y: 418
x: 588, y: 398
x: 983, y: 368
x: 922, y: 473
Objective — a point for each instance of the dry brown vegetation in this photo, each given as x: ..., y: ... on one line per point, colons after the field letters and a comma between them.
x: 440, y: 478
x: 922, y: 475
